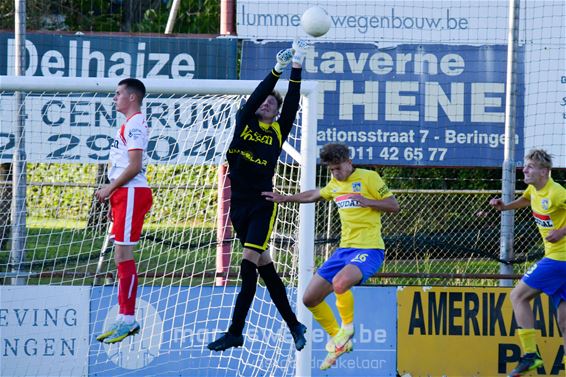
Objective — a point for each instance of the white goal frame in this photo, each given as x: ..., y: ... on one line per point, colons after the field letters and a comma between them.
x: 306, y: 157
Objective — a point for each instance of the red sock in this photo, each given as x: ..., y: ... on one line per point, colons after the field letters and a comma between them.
x: 120, y: 298
x: 127, y: 287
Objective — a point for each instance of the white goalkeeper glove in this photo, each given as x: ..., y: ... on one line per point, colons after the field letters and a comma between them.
x: 300, y: 47
x: 283, y: 59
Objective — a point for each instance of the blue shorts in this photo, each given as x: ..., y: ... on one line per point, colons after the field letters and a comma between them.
x: 369, y: 261
x: 549, y: 276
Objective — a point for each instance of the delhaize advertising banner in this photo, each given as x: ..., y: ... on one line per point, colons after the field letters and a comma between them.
x: 119, y: 55
x: 80, y: 127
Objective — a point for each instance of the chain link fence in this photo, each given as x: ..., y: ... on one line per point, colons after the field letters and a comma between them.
x: 440, y: 236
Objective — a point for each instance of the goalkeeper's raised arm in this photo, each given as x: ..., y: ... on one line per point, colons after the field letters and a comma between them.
x: 256, y: 106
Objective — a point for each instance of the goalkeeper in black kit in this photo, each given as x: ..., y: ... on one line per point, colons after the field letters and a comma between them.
x: 252, y: 158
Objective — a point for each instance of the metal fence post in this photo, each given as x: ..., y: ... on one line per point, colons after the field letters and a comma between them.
x: 508, y: 178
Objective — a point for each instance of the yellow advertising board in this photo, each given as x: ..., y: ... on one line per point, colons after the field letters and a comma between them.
x: 464, y: 332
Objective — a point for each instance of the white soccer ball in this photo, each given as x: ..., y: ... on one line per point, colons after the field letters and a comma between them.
x: 315, y: 21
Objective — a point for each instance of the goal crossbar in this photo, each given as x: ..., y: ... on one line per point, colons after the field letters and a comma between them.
x: 153, y: 86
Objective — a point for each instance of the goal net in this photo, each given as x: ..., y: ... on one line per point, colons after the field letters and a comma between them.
x: 188, y: 257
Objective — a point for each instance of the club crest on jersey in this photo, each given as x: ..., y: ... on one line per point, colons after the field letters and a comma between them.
x: 356, y: 186
x: 545, y: 204
x: 346, y: 201
x: 543, y: 221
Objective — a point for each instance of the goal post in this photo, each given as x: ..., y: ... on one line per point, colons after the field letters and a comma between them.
x: 64, y: 119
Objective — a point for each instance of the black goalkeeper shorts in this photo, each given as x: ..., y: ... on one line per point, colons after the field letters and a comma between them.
x: 253, y: 220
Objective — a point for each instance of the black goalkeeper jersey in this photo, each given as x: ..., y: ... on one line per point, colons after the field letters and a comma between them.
x: 256, y: 146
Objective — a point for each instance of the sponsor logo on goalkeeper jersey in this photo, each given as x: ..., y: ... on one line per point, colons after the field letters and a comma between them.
x: 256, y: 137
x: 346, y: 201
x: 543, y: 221
x: 248, y: 156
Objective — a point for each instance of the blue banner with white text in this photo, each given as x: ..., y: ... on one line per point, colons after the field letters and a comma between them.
x: 178, y: 322
x: 119, y: 55
x: 415, y: 105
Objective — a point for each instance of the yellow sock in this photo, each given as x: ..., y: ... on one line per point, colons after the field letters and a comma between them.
x: 323, y: 315
x: 345, y: 305
x: 528, y: 340
x: 564, y: 362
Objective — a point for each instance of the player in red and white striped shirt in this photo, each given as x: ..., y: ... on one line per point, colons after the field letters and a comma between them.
x: 130, y: 199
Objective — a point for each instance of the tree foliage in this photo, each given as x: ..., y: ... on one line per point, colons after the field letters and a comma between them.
x: 146, y: 16
x: 194, y: 17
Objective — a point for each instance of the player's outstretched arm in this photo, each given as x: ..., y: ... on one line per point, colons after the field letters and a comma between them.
x: 292, y: 98
x: 309, y: 196
x: 499, y: 205
x: 264, y: 89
